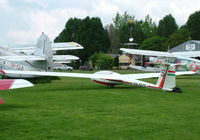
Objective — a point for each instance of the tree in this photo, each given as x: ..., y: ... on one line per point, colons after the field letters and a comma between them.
x: 88, y: 32
x: 121, y: 25
x: 167, y: 26
x: 149, y: 27
x: 138, y: 32
x: 114, y: 39
x: 193, y: 25
x: 178, y: 37
x: 154, y: 43
x: 116, y: 62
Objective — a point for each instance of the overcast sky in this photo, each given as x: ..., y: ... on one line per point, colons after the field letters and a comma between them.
x: 22, y: 21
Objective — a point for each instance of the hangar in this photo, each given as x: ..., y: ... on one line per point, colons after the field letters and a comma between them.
x: 190, y: 45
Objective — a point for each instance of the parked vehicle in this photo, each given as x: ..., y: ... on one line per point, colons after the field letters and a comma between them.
x: 62, y: 67
x: 85, y: 68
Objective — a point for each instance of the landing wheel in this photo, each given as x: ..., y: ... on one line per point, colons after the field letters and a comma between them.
x: 177, y: 90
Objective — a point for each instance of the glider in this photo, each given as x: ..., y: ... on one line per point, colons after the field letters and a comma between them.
x: 166, y: 80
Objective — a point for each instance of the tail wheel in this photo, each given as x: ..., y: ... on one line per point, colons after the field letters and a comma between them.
x: 177, y: 90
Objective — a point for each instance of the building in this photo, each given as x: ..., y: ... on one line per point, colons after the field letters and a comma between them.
x: 190, y: 45
x: 125, y: 61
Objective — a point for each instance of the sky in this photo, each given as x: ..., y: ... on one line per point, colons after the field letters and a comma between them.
x: 22, y: 21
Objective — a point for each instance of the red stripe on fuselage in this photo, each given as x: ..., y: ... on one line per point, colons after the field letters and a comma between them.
x: 105, y: 83
x: 171, y: 71
x: 6, y: 84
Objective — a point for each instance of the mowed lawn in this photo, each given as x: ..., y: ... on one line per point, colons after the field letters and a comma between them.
x: 74, y: 108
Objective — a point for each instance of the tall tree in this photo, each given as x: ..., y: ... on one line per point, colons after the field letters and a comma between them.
x: 121, y: 25
x: 178, y: 37
x: 149, y: 27
x: 114, y: 39
x: 89, y: 32
x: 167, y: 26
x: 138, y: 32
x: 194, y: 26
x: 154, y: 43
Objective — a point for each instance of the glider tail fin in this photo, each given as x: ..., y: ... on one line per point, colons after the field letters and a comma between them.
x: 167, y: 79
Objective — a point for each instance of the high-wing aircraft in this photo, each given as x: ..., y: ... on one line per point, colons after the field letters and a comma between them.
x: 181, y: 59
x: 166, y: 80
x: 41, y: 59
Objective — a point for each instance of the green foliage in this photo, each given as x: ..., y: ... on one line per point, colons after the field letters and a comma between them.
x: 102, y: 61
x: 194, y: 26
x: 149, y: 27
x: 88, y: 32
x: 167, y: 26
x: 74, y: 64
x: 154, y: 43
x: 116, y: 61
x: 114, y: 39
x: 94, y: 59
x: 138, y: 33
x: 121, y: 25
x: 178, y: 37
x: 139, y: 30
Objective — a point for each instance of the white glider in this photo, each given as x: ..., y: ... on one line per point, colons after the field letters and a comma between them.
x: 166, y: 80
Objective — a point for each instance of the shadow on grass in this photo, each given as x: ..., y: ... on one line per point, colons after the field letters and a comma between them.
x: 98, y: 89
x: 6, y: 107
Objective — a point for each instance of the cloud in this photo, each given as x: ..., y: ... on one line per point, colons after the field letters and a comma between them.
x: 40, y: 3
x: 104, y: 9
x: 50, y: 22
x: 5, y: 6
x: 35, y: 16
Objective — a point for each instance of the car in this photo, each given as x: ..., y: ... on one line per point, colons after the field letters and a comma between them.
x: 89, y: 68
x: 63, y: 67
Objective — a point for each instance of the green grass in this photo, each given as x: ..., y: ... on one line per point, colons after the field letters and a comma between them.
x: 73, y: 108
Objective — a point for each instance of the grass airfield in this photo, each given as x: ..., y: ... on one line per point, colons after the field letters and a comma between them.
x: 75, y: 108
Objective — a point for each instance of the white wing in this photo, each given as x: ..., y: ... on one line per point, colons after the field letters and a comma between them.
x: 126, y: 77
x: 55, y: 46
x: 153, y: 75
x: 159, y: 53
x: 66, y: 46
x: 39, y: 73
x: 6, y: 84
x: 65, y: 57
x: 147, y: 52
x: 22, y: 58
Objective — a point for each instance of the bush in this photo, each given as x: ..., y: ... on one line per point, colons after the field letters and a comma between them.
x: 102, y: 61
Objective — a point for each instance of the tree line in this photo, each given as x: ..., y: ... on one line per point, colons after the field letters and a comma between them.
x: 90, y: 33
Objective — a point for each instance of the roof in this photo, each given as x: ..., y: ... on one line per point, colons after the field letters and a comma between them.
x: 190, y: 45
